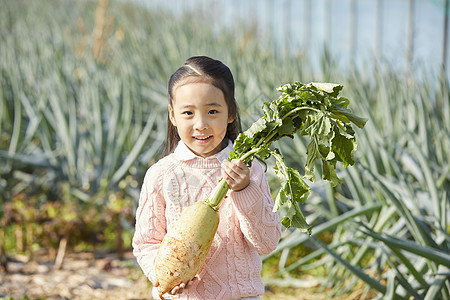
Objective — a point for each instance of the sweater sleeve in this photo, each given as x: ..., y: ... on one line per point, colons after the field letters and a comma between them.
x: 150, y: 226
x: 254, y: 204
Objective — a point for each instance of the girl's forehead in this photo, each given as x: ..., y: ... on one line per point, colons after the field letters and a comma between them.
x: 199, y: 96
x: 193, y: 79
x: 198, y: 89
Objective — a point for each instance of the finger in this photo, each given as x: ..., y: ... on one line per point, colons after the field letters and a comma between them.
x: 226, y: 170
x: 240, y: 168
x: 230, y: 180
x: 178, y: 289
x: 174, y: 291
x: 239, y: 163
x: 192, y: 281
x: 232, y: 169
x: 234, y: 166
x: 234, y: 176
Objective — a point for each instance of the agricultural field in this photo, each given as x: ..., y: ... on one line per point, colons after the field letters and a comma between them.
x: 83, y: 114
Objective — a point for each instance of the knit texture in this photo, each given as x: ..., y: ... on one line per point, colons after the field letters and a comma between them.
x: 248, y: 227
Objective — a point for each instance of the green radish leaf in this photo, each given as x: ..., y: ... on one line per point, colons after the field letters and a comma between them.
x: 311, y: 109
x: 343, y: 148
x: 295, y: 218
x: 313, y: 153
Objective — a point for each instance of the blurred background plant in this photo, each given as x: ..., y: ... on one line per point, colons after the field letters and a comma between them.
x: 83, y: 114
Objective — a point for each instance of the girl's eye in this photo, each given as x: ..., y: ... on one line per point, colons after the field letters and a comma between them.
x: 187, y: 113
x: 213, y: 112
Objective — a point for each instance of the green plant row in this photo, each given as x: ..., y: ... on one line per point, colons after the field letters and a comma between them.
x: 83, y: 113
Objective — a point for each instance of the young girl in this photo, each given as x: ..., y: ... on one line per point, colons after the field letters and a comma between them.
x: 203, y: 123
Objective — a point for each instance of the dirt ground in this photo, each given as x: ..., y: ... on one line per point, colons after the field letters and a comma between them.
x: 80, y: 277
x: 84, y: 277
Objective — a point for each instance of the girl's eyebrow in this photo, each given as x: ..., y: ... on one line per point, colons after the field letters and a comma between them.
x: 215, y: 104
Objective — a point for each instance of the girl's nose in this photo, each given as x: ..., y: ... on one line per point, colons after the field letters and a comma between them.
x: 201, y: 123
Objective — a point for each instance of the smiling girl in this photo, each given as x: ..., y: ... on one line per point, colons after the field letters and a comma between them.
x: 203, y: 122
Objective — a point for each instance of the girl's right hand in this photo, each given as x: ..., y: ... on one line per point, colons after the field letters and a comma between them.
x: 179, y: 288
x: 236, y: 174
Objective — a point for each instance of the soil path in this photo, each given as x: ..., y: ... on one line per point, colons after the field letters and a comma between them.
x: 81, y: 277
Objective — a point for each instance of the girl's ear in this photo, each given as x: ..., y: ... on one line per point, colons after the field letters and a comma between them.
x: 172, y: 116
x: 231, y: 119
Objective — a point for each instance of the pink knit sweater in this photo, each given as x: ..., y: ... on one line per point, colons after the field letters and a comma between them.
x: 247, y: 227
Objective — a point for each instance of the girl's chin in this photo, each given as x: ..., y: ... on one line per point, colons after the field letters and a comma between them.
x: 204, y: 151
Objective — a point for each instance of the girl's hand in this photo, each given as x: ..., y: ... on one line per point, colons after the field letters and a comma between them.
x: 236, y: 174
x: 179, y: 288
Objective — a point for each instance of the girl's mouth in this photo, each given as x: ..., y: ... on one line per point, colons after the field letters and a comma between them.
x: 202, y: 139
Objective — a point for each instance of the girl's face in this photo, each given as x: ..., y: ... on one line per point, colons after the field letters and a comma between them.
x: 200, y: 114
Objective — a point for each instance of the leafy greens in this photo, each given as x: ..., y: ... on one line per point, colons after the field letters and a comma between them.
x: 315, y: 110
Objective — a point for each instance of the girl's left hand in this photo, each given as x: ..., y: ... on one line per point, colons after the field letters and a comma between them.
x: 236, y: 174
